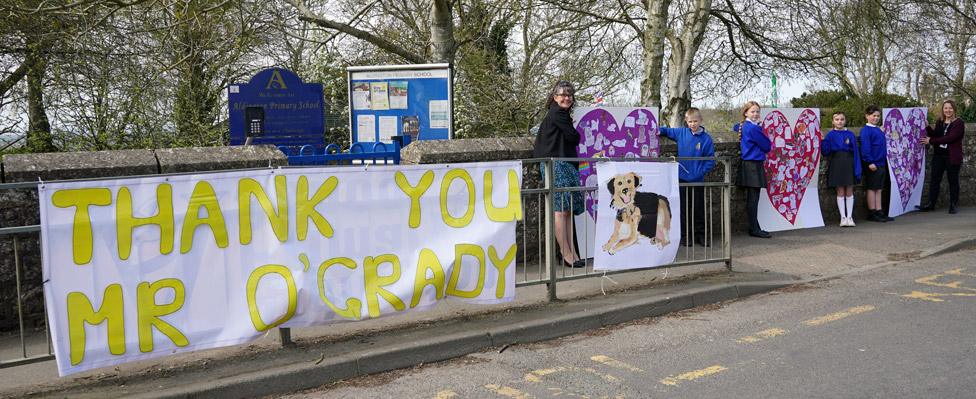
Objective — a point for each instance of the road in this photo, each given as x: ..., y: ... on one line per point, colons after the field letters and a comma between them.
x: 904, y: 331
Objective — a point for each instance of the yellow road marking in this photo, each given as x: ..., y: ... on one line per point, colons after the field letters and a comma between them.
x: 934, y: 297
x: 614, y: 363
x: 759, y: 336
x: 693, y: 375
x: 508, y: 392
x: 958, y: 272
x: 534, y: 375
x: 446, y: 394
x: 930, y: 280
x: 839, y: 315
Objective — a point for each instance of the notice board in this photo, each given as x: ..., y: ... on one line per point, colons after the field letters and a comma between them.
x: 400, y: 100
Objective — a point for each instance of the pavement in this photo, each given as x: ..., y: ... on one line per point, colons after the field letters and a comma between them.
x: 322, y: 355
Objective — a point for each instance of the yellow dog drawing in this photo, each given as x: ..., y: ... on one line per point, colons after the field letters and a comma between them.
x: 646, y: 214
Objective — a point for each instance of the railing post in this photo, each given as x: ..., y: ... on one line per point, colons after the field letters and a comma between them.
x: 727, y: 215
x: 20, y: 307
x: 550, y: 228
x: 285, y: 334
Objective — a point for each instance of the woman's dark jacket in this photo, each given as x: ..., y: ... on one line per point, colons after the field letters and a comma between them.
x: 557, y: 138
x: 951, y: 136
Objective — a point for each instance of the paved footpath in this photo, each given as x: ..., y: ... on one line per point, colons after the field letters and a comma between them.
x: 330, y: 353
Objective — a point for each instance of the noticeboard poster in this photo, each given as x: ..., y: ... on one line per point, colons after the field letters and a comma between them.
x: 401, y: 100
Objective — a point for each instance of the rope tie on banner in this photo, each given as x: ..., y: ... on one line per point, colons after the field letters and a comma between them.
x: 675, y: 160
x: 604, y: 276
x: 666, y: 270
x: 40, y: 183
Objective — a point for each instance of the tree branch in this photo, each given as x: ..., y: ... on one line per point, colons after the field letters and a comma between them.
x: 393, y: 48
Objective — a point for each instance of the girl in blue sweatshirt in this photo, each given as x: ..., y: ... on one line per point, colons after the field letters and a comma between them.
x: 874, y: 156
x: 752, y: 175
x: 843, y: 165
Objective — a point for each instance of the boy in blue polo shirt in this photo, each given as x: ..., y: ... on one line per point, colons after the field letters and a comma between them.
x: 693, y: 141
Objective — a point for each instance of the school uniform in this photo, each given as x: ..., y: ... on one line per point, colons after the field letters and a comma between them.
x: 692, y: 144
x: 840, y: 149
x: 754, y: 146
x: 752, y: 174
x: 874, y: 150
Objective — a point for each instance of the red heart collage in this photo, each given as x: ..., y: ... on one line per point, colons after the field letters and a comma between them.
x: 792, y: 162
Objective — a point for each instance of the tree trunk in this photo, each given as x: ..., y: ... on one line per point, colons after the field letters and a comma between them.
x: 39, y: 137
x: 442, y: 43
x: 684, y: 48
x: 654, y: 31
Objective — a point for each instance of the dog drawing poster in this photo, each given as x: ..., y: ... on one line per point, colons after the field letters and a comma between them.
x: 903, y: 128
x: 638, y: 215
x: 790, y: 199
x: 610, y: 132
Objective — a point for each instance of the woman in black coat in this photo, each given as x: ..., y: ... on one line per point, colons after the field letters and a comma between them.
x: 558, y: 139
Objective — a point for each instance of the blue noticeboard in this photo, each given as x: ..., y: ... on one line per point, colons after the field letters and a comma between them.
x: 401, y: 100
x: 276, y: 107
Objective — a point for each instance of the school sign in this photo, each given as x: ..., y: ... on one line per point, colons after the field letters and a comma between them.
x: 147, y: 267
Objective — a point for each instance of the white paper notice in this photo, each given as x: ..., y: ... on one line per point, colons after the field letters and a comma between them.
x: 360, y: 96
x: 366, y: 128
x: 379, y: 96
x: 388, y: 128
x: 440, y: 116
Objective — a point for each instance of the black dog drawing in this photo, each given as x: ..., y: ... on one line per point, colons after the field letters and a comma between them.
x: 638, y: 214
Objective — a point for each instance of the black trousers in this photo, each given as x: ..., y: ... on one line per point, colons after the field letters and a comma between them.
x: 752, y: 207
x: 940, y: 166
x: 693, y: 213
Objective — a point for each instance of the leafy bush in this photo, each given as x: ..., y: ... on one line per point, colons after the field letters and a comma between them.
x: 830, y: 101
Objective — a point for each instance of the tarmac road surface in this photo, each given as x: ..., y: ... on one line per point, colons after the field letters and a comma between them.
x: 902, y: 331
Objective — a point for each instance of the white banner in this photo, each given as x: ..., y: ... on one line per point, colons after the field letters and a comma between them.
x: 638, y: 214
x: 148, y: 267
x: 791, y: 199
x: 903, y: 128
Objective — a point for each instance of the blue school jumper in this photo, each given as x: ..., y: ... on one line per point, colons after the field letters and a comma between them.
x: 692, y: 145
x: 873, y: 147
x: 754, y: 144
x: 842, y: 140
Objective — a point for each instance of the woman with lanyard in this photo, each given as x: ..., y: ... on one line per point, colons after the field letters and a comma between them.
x: 946, y: 137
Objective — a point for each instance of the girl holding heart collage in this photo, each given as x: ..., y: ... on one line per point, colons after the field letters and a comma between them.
x: 847, y: 157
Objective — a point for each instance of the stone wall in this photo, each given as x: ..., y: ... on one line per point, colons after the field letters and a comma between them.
x: 19, y: 207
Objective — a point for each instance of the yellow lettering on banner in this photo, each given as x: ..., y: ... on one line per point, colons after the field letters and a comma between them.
x: 80, y: 311
x: 427, y: 261
x: 203, y: 197
x: 460, y: 250
x: 501, y: 265
x: 353, y: 310
x: 305, y: 207
x: 252, y: 291
x: 374, y: 283
x: 449, y: 177
x: 125, y: 222
x: 414, y: 192
x: 81, y: 235
x: 513, y: 210
x: 247, y: 188
x: 150, y: 311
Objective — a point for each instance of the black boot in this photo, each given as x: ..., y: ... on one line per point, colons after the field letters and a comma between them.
x: 928, y: 206
x: 952, y: 208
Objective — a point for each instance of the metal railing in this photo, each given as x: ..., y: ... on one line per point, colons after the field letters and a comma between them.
x: 539, y: 262
x: 707, y: 244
